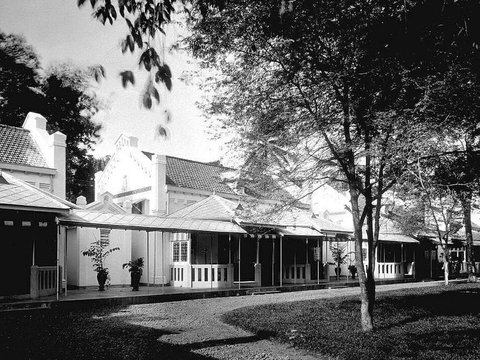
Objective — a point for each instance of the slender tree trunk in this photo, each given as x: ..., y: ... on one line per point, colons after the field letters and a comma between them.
x: 445, y: 271
x: 467, y: 212
x: 367, y: 292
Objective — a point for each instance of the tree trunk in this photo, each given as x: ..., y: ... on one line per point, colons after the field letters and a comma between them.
x: 467, y: 211
x: 367, y: 291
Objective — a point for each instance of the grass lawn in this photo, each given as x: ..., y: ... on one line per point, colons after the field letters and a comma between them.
x: 83, y: 334
x: 430, y: 323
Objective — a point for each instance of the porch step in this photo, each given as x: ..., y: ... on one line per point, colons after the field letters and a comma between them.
x: 25, y: 306
x: 264, y: 292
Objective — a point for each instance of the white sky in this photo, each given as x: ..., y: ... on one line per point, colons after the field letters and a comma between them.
x: 59, y: 31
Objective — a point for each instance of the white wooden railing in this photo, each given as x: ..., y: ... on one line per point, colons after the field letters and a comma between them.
x: 43, y: 281
x: 296, y: 274
x: 393, y: 270
x: 201, y: 276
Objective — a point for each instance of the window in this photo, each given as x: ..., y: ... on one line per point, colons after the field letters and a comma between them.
x: 183, y: 252
x: 180, y: 251
x: 176, y: 251
x: 105, y: 237
x: 45, y: 186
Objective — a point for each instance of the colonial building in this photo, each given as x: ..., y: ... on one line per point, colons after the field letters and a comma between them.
x: 31, y: 154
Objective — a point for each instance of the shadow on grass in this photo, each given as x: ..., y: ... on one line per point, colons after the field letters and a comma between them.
x: 83, y: 334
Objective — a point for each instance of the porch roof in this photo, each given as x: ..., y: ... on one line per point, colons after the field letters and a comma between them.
x: 299, y: 231
x: 84, y: 218
x: 19, y: 195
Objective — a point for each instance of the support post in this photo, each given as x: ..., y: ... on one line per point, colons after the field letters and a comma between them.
x: 273, y: 262
x: 58, y: 260
x: 318, y: 262
x: 65, y: 262
x: 154, y: 257
x: 258, y: 266
x: 148, y: 259
x: 239, y: 260
x: 281, y: 260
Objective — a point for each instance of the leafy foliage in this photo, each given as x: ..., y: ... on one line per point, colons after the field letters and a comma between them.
x: 145, y: 20
x: 98, y: 252
x: 63, y: 94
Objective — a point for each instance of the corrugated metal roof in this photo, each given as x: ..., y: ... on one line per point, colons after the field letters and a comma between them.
x: 213, y: 207
x: 86, y: 218
x: 300, y: 231
x: 17, y: 193
x: 19, y: 148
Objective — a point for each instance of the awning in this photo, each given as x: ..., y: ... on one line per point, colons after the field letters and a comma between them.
x: 399, y: 238
x: 300, y: 231
x: 84, y: 218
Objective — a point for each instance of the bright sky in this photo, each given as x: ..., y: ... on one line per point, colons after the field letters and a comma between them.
x: 59, y: 31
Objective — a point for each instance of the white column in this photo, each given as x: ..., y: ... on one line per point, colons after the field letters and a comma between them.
x: 239, y: 261
x: 281, y: 260
x: 58, y: 260
x: 148, y: 259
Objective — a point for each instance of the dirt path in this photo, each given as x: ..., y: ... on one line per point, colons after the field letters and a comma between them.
x: 196, y: 324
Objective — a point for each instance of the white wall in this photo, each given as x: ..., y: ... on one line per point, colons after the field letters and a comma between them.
x: 80, y: 268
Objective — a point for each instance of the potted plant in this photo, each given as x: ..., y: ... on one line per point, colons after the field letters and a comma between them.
x: 339, y: 257
x: 98, y: 252
x: 353, y: 270
x: 136, y: 269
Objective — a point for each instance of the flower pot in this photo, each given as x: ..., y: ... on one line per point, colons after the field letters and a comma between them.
x: 135, y: 280
x: 102, y: 279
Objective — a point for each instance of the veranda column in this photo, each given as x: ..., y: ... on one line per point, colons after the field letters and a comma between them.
x: 308, y: 272
x: 318, y: 261
x: 239, y: 260
x: 65, y: 260
x: 273, y: 261
x: 402, y: 260
x: 230, y: 271
x: 148, y: 259
x: 258, y: 266
x: 58, y: 260
x: 281, y: 260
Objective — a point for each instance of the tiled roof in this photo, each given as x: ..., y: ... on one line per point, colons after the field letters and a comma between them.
x: 196, y: 175
x: 144, y: 222
x: 18, y: 194
x: 18, y: 147
x: 192, y: 174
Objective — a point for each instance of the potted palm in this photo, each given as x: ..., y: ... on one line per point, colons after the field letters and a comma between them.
x: 339, y: 257
x: 136, y: 269
x: 98, y: 252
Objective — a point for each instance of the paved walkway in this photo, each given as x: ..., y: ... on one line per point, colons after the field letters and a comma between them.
x: 196, y: 326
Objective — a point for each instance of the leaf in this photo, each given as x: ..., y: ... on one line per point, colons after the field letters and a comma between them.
x: 147, y: 100
x: 127, y: 76
x: 80, y: 3
x: 164, y: 75
x: 162, y: 131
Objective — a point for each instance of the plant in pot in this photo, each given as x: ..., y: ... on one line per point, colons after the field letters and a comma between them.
x: 136, y: 269
x: 98, y: 252
x: 353, y: 270
x: 339, y: 257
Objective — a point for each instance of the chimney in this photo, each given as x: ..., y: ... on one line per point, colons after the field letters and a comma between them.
x: 159, y: 175
x: 53, y: 148
x: 57, y: 154
x: 81, y: 201
x: 127, y: 205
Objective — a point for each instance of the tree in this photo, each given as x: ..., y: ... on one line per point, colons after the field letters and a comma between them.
x: 430, y: 208
x: 333, y: 82
x: 63, y: 94
x: 315, y: 82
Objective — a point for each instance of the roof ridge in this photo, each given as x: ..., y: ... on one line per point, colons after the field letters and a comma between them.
x: 15, y: 127
x: 199, y: 162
